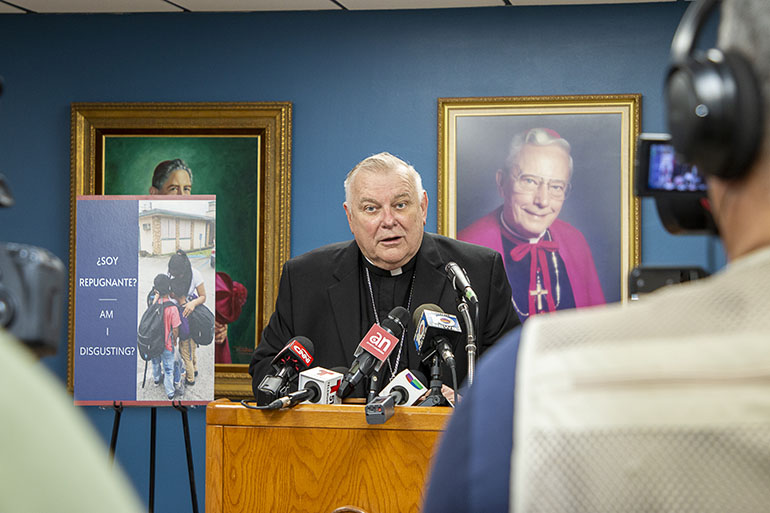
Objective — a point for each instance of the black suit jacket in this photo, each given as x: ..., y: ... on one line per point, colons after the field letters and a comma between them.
x: 318, y: 298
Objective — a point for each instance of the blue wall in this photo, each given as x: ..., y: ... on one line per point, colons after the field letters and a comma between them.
x: 360, y: 82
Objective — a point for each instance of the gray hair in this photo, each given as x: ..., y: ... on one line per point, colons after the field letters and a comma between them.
x: 536, y: 137
x: 744, y: 28
x: 164, y: 170
x: 382, y: 163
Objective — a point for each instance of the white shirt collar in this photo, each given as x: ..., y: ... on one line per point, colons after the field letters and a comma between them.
x: 393, y: 272
x: 531, y: 241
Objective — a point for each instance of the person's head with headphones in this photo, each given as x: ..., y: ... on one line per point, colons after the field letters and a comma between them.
x: 745, y: 29
x: 718, y: 114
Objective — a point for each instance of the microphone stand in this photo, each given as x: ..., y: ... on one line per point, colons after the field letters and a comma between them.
x: 470, y: 347
x: 373, y: 388
x: 435, y: 398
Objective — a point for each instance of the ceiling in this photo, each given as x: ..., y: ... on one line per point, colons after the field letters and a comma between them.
x: 132, y: 6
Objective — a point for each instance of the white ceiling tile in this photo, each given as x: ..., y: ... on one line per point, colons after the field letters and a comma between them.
x: 7, y: 9
x: 419, y: 4
x: 582, y: 2
x: 126, y: 6
x: 96, y: 6
x: 257, y: 5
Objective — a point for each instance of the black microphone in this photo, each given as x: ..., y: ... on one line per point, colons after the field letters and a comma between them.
x: 295, y: 357
x: 311, y: 393
x: 460, y: 282
x: 438, y: 328
x: 374, y: 349
x: 405, y: 390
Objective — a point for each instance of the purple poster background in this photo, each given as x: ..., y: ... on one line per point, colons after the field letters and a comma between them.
x: 105, y: 299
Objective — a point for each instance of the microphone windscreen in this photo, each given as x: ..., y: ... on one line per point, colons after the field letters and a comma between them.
x: 297, y: 353
x: 418, y: 313
x: 399, y: 318
x: 306, y: 343
x: 419, y: 375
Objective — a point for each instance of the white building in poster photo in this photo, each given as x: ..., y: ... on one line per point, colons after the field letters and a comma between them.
x: 162, y: 231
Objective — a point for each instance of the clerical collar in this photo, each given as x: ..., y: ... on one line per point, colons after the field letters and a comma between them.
x: 390, y: 280
x: 394, y: 272
x: 516, y: 235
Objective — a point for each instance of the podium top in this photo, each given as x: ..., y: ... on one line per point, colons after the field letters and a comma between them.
x: 224, y: 412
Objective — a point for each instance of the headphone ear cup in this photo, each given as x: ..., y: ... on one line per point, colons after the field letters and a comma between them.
x: 715, y: 113
x: 681, y: 101
x: 747, y: 116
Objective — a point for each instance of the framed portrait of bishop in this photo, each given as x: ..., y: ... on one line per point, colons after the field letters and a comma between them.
x: 546, y: 182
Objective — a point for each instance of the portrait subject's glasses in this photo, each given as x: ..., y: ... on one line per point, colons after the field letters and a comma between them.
x: 557, y: 189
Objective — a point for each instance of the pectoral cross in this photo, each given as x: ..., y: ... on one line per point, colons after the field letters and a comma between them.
x: 539, y: 292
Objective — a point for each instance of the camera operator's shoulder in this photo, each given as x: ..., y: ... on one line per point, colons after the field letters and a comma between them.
x: 33, y: 401
x: 684, y: 308
x: 12, y: 352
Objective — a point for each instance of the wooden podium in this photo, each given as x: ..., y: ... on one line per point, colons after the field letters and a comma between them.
x: 317, y: 458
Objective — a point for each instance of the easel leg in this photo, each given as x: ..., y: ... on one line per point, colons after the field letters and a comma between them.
x: 153, y: 423
x: 118, y: 407
x: 188, y: 449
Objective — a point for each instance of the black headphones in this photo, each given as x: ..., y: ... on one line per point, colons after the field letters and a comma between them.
x: 714, y: 102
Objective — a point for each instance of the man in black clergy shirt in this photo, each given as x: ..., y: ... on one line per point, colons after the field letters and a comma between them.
x: 333, y: 295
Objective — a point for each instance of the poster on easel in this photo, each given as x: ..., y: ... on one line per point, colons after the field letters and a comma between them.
x: 144, y: 300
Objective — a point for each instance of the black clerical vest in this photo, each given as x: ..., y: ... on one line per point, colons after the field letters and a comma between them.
x: 519, y: 276
x: 388, y: 291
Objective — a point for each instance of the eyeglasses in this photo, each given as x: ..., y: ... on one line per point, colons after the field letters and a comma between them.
x: 557, y: 189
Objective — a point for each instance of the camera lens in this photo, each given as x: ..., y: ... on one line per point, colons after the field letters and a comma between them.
x: 6, y: 308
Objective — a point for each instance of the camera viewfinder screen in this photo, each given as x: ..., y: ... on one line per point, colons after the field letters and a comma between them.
x: 666, y: 174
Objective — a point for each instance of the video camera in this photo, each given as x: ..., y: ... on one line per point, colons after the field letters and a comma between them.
x: 32, y: 289
x: 679, y: 190
x: 660, y: 172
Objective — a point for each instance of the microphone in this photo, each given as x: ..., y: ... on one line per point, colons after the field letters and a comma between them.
x: 405, y: 390
x: 437, y: 328
x: 374, y: 349
x: 323, y: 382
x: 316, y: 386
x: 460, y: 282
x: 294, y: 358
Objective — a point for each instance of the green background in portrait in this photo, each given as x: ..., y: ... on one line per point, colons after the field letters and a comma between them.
x: 225, y: 166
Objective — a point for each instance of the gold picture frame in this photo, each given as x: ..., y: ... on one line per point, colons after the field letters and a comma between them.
x: 474, y: 135
x: 267, y: 124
